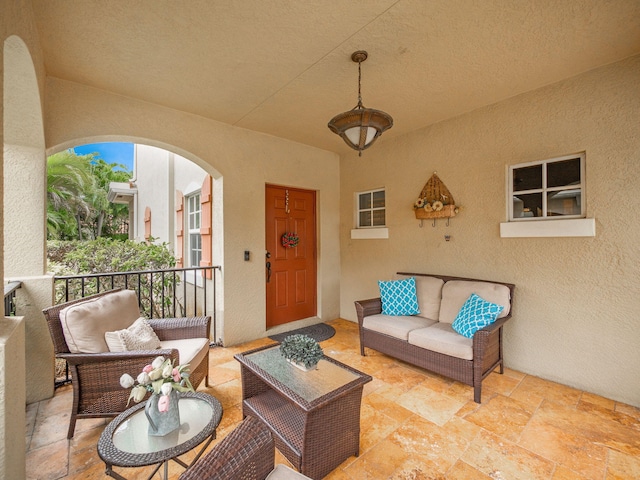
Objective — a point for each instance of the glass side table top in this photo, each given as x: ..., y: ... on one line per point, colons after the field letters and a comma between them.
x: 310, y: 385
x: 131, y: 435
x: 125, y: 441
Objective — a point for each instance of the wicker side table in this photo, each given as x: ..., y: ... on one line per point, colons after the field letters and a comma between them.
x: 125, y: 443
x: 314, y: 416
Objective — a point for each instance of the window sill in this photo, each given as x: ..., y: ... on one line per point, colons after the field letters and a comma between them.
x: 193, y: 278
x: 366, y: 233
x: 575, y: 227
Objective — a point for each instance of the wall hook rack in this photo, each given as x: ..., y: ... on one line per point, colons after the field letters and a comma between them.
x: 435, y: 201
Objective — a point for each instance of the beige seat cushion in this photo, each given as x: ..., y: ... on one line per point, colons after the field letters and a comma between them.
x: 397, y: 326
x: 190, y: 350
x: 84, y: 324
x: 429, y: 292
x: 443, y: 339
x: 456, y: 292
x: 282, y: 472
x: 138, y: 336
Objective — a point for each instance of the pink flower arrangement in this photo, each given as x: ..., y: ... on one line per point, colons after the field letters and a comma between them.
x: 160, y: 378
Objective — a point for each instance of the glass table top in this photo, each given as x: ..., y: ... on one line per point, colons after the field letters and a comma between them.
x: 131, y: 435
x: 309, y: 385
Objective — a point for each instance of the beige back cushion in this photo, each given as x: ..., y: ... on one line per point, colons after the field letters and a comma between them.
x: 429, y: 292
x: 456, y: 292
x: 84, y: 324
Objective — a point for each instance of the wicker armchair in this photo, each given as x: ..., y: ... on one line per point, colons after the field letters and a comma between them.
x: 96, y: 376
x: 247, y: 453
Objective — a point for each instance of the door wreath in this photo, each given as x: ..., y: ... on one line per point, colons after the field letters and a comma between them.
x: 289, y: 240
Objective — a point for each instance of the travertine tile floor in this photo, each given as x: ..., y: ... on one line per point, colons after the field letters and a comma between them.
x: 415, y: 425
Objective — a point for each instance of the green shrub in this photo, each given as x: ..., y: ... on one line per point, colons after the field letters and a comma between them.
x: 103, y: 255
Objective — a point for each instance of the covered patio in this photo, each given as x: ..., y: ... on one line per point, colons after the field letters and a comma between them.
x: 414, y: 425
x: 245, y: 90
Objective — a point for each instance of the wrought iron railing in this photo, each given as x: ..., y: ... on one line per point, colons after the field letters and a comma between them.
x: 173, y: 292
x: 161, y: 293
x: 10, y: 298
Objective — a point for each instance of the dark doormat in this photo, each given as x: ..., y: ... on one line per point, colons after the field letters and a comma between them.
x: 319, y: 332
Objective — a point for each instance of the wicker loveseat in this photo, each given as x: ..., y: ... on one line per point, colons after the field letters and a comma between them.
x: 428, y: 340
x: 96, y: 371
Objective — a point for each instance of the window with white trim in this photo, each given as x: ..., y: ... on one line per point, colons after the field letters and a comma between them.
x: 548, y: 189
x: 194, y: 240
x: 370, y: 209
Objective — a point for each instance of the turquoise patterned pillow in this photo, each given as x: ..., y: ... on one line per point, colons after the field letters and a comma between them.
x: 476, y: 313
x: 399, y: 297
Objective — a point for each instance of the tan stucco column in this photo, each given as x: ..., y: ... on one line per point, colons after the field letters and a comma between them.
x: 35, y: 294
x: 12, y: 397
x: 25, y: 259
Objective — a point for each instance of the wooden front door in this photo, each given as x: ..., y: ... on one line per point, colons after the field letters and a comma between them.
x: 290, y: 272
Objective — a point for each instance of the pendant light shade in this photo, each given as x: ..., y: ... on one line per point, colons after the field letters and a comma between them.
x: 360, y: 126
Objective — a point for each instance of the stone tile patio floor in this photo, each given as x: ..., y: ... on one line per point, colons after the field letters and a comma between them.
x: 415, y: 425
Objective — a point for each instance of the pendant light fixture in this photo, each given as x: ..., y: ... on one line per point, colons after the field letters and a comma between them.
x: 360, y: 126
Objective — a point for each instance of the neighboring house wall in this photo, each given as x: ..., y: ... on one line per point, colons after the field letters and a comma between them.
x: 153, y: 176
x: 575, y: 316
x: 159, y: 174
x: 162, y: 177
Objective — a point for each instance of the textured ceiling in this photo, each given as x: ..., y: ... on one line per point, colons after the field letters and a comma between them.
x: 283, y: 67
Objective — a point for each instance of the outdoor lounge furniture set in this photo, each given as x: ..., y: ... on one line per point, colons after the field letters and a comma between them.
x: 448, y: 325
x: 425, y: 334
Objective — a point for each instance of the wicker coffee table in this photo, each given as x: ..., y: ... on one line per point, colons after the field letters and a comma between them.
x: 125, y: 443
x: 314, y: 416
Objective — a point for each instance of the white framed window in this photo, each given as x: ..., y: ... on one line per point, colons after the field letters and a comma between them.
x: 370, y: 209
x: 547, y: 190
x: 194, y: 239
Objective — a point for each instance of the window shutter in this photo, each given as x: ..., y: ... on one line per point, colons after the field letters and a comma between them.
x: 147, y: 223
x: 206, y: 220
x: 179, y: 229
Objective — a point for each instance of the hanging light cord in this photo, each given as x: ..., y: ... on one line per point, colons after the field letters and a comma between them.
x: 359, y: 81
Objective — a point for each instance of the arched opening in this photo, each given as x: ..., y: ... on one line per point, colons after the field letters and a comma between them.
x: 176, y: 199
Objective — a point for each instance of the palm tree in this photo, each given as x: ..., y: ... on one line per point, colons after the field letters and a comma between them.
x: 77, y: 187
x: 68, y: 178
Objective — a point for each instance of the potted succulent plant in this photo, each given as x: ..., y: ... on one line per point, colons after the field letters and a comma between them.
x: 302, y: 351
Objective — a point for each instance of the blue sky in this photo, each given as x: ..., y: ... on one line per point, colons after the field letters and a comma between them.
x: 110, y: 152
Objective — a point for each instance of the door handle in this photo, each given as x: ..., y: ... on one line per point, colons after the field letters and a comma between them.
x: 268, y: 265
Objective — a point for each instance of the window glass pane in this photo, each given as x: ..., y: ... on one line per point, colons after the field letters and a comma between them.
x: 378, y: 218
x: 564, y: 202
x: 378, y: 199
x: 566, y: 172
x: 365, y: 219
x: 195, y: 244
x: 528, y: 205
x: 365, y: 201
x: 527, y: 178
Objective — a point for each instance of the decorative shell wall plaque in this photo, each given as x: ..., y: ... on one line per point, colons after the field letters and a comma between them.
x: 435, y: 201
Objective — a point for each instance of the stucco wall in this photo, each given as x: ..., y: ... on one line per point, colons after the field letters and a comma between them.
x: 154, y: 182
x: 24, y: 179
x: 576, y: 301
x: 12, y: 398
x: 245, y: 160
